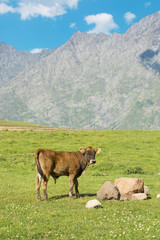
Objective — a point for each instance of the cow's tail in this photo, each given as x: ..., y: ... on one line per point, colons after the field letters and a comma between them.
x: 38, y: 165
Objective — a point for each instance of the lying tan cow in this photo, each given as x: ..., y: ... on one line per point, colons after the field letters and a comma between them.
x: 56, y: 164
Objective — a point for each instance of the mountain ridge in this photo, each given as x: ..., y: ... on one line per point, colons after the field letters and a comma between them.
x: 93, y: 81
x: 13, y: 61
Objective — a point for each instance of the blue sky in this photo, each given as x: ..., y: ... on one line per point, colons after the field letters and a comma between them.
x: 30, y: 25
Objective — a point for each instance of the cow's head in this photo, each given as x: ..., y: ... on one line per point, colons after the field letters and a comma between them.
x: 89, y: 154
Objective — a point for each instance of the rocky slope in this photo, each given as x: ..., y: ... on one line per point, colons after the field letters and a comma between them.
x: 94, y: 81
x: 13, y: 61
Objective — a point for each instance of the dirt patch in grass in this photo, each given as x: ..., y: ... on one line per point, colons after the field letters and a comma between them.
x: 16, y: 128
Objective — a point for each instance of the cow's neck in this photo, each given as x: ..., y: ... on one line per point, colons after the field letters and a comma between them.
x: 84, y: 164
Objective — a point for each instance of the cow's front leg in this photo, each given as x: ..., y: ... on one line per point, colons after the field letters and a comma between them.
x: 44, y: 188
x: 76, y: 187
x: 71, y: 184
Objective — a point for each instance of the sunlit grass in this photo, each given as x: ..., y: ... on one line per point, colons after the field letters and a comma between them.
x: 123, y: 152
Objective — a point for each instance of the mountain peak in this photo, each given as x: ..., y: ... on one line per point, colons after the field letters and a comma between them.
x: 2, y: 44
x: 78, y: 35
x: 6, y: 48
x: 145, y: 25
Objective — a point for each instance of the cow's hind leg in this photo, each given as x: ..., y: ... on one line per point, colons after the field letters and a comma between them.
x: 71, y: 183
x: 76, y: 187
x: 44, y: 188
x: 38, y: 185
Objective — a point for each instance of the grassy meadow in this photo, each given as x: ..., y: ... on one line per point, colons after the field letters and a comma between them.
x: 124, y: 154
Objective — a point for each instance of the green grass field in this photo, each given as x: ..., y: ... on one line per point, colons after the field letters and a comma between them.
x: 124, y: 154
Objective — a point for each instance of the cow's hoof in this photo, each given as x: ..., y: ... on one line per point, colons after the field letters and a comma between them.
x: 46, y: 198
x: 70, y: 195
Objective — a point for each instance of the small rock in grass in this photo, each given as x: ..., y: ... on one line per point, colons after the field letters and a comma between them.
x: 129, y: 186
x: 139, y: 196
x: 158, y: 174
x: 93, y: 204
x: 108, y: 192
x: 158, y: 195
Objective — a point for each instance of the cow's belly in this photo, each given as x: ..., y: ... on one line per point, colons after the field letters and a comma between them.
x: 58, y: 171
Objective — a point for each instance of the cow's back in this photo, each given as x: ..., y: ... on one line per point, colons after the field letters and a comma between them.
x: 58, y: 163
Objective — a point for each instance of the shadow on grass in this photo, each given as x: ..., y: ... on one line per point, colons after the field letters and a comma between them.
x: 88, y: 195
x: 67, y: 196
x: 148, y: 197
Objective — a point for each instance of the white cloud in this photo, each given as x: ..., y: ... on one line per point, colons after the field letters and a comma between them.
x: 45, y: 8
x: 104, y: 23
x: 147, y: 4
x: 73, y: 25
x: 4, y: 8
x: 37, y: 50
x: 129, y: 17
x: 71, y: 3
x: 29, y: 10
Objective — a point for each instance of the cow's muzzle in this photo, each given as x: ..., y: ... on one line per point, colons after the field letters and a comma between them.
x: 92, y: 161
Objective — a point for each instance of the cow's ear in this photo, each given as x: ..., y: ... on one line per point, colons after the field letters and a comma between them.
x: 98, y: 150
x: 82, y: 150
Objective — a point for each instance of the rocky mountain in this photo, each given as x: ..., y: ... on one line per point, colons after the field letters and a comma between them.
x: 13, y: 61
x: 94, y: 81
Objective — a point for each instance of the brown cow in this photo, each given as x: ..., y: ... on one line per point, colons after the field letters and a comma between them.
x: 56, y: 164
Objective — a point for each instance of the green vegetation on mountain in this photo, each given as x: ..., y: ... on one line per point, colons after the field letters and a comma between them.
x: 4, y: 123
